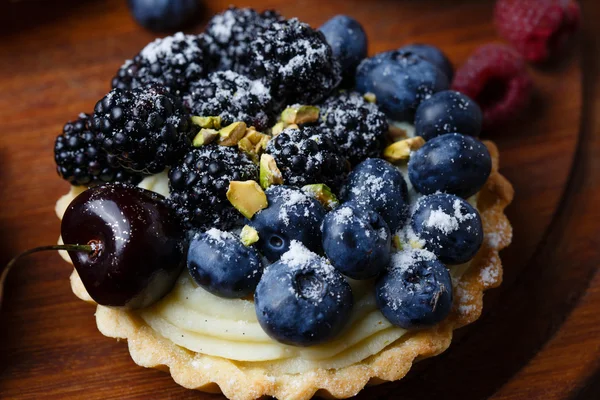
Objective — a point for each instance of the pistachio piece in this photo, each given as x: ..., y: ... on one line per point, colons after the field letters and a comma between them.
x: 323, y: 194
x: 249, y: 235
x: 207, y: 122
x: 370, y: 97
x: 400, y: 151
x: 232, y: 133
x: 247, y: 197
x: 269, y: 172
x: 205, y: 136
x: 300, y: 114
x: 396, y: 242
x: 253, y: 143
x: 278, y: 128
x: 400, y: 130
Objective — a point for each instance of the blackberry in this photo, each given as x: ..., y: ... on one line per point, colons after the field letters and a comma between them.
x: 173, y: 62
x: 145, y: 129
x: 295, y: 61
x: 355, y: 125
x: 199, y: 184
x: 230, y: 33
x: 81, y: 161
x: 233, y: 97
x: 305, y: 156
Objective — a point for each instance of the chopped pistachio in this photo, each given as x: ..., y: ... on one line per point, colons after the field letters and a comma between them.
x: 269, y: 172
x: 300, y: 114
x: 278, y: 128
x: 254, y: 143
x: 396, y: 242
x: 323, y: 194
x: 207, y: 122
x: 204, y: 137
x: 400, y: 130
x: 370, y: 97
x: 415, y: 244
x: 400, y: 151
x: 247, y: 197
x: 292, y: 126
x: 231, y: 134
x: 249, y: 235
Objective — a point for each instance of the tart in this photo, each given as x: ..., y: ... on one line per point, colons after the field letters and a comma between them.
x: 327, y: 246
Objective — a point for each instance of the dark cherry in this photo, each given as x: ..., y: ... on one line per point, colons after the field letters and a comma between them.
x: 137, y: 243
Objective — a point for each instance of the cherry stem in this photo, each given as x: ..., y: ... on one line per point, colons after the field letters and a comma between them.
x: 92, y: 247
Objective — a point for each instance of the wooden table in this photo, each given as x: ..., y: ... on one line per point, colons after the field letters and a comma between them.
x: 539, y: 336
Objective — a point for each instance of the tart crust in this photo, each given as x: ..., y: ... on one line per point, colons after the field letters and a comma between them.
x: 241, y: 381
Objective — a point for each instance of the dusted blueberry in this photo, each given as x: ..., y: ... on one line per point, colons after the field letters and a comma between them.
x: 450, y: 163
x: 291, y: 215
x: 400, y: 81
x: 447, y: 112
x: 433, y: 55
x: 450, y: 227
x: 356, y: 240
x: 415, y: 291
x: 221, y: 264
x: 378, y: 184
x: 163, y: 15
x: 302, y: 300
x: 348, y: 42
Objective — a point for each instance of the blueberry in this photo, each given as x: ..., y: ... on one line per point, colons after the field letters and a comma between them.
x: 433, y: 55
x: 164, y: 15
x: 348, y: 41
x: 415, y: 291
x: 451, y: 163
x: 378, y: 184
x: 449, y: 226
x: 291, y: 215
x: 447, y: 112
x: 356, y: 240
x: 301, y: 299
x: 400, y: 82
x: 221, y: 264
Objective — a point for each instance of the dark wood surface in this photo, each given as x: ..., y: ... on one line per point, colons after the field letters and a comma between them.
x: 539, y: 336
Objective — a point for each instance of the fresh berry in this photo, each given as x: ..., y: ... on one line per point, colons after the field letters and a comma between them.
x: 307, y: 155
x: 296, y: 62
x: 348, y: 42
x: 451, y: 163
x: 164, y: 15
x: 356, y: 126
x: 433, y: 55
x: 400, y: 81
x: 538, y: 29
x: 139, y: 241
x: 233, y: 97
x: 145, y: 130
x: 174, y: 62
x: 302, y: 300
x: 447, y: 112
x: 495, y: 76
x: 221, y: 264
x: 378, y: 184
x: 356, y: 240
x: 449, y: 226
x: 81, y: 161
x: 291, y: 215
x: 199, y: 184
x: 415, y: 291
x: 230, y: 33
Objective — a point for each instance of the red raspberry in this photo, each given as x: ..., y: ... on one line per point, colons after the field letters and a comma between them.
x: 495, y: 76
x: 537, y: 28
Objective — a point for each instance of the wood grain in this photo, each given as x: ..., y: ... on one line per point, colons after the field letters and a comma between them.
x: 539, y: 336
